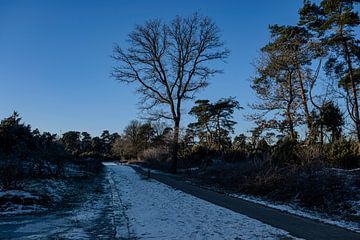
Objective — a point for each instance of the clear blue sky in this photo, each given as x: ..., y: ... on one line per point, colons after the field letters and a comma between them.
x: 55, y: 56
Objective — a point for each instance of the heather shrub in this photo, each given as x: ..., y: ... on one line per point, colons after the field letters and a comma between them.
x: 343, y: 153
x: 228, y: 175
x: 235, y: 155
x: 309, y: 187
x: 157, y: 158
x: 199, y: 153
x: 263, y: 182
x: 310, y: 154
x: 285, y: 152
x: 11, y: 172
x: 261, y: 153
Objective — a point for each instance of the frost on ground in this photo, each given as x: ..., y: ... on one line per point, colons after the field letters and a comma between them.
x: 295, y: 209
x: 85, y: 213
x: 156, y: 211
x: 34, y: 196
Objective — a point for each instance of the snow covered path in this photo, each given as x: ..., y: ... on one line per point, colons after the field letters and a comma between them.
x: 157, y: 211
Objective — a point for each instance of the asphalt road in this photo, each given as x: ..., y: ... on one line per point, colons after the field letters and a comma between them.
x: 297, y: 226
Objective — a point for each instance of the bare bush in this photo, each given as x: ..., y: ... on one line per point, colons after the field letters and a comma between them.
x: 309, y: 155
x: 157, y: 158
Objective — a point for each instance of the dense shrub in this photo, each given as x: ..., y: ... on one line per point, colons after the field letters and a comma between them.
x: 199, y: 155
x: 11, y: 172
x: 157, y: 158
x: 28, y: 154
x: 234, y: 155
x: 310, y: 155
x: 262, y: 182
x: 227, y: 175
x: 90, y: 166
x: 313, y: 188
x: 309, y: 185
x: 343, y: 153
x: 285, y: 151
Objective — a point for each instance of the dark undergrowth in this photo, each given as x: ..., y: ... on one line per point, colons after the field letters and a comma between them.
x: 327, y: 190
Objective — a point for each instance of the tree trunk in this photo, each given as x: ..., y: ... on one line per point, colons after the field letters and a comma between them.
x: 309, y: 121
x: 355, y: 113
x: 218, y: 133
x: 175, y: 145
x: 321, y: 134
x: 288, y: 110
x: 291, y: 126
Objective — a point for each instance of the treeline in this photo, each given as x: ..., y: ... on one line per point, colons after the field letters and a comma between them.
x: 28, y: 154
x: 209, y: 139
x: 82, y: 146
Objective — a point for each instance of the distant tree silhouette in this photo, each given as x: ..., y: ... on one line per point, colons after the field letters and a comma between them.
x: 71, y: 141
x: 85, y: 142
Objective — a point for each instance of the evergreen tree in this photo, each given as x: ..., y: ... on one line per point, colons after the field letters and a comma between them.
x: 335, y: 21
x: 331, y: 120
x: 72, y: 142
x: 277, y: 82
x: 214, y: 122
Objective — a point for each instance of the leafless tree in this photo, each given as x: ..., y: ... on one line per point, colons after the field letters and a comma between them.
x: 169, y: 63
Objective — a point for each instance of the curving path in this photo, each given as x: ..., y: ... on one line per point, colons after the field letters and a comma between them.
x: 297, y: 226
x: 157, y: 211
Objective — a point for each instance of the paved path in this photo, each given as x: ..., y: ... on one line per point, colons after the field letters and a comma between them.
x: 295, y: 225
x: 157, y: 211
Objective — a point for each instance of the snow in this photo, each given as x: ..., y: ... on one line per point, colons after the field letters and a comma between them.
x: 341, y: 170
x: 156, y: 211
x: 109, y: 163
x: 51, y: 188
x: 322, y: 217
x: 296, y: 210
x: 8, y: 207
x: 17, y: 193
x: 85, y: 215
x: 14, y: 209
x: 49, y: 227
x: 31, y: 198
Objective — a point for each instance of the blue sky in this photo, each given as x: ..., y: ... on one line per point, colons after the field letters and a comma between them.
x: 55, y: 56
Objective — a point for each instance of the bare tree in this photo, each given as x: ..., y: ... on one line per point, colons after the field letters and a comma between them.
x: 170, y: 63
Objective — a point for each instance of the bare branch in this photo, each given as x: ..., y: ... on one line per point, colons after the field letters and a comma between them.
x: 169, y: 62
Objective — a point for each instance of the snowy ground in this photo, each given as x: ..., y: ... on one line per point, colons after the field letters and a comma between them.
x: 155, y: 211
x: 87, y: 213
x: 35, y: 196
x: 296, y: 210
x: 121, y: 204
